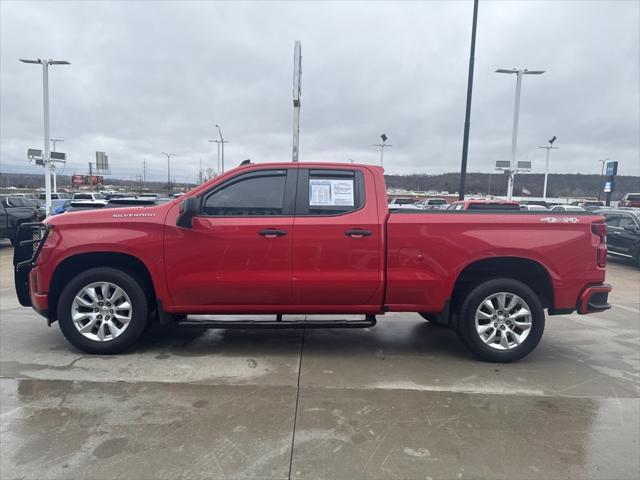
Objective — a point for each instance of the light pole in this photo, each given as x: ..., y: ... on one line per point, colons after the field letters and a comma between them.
x: 218, y: 142
x: 222, y: 142
x: 53, y: 166
x: 45, y: 100
x: 546, y: 168
x: 516, y: 114
x: 603, y: 162
x: 382, y: 145
x: 169, y: 155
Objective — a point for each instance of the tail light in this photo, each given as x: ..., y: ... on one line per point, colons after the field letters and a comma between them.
x: 600, y: 229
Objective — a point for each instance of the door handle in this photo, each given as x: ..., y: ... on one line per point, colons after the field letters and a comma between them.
x: 272, y: 233
x: 357, y: 233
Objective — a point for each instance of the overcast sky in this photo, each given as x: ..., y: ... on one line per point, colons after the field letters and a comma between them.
x: 148, y: 77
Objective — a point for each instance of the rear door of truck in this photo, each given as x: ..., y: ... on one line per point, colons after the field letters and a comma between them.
x: 338, y: 240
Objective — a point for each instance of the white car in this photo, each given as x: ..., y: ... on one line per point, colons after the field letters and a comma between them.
x: 432, y: 203
x: 90, y: 196
x: 566, y: 209
x: 403, y: 203
x: 534, y: 208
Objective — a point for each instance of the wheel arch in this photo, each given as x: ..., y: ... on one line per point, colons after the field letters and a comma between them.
x: 530, y: 272
x: 75, y: 264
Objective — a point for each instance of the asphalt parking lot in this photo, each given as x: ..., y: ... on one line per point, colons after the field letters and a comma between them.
x: 400, y: 400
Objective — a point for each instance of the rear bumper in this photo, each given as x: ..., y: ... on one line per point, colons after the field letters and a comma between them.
x: 594, y: 299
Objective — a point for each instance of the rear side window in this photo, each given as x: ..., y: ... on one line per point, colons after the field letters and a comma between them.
x: 254, y: 194
x: 329, y: 192
x: 82, y: 196
x: 633, y: 197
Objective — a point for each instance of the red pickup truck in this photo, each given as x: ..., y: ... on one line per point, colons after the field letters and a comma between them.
x: 309, y: 238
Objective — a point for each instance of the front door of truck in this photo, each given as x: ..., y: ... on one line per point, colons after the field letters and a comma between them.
x: 238, y: 251
x: 337, y: 245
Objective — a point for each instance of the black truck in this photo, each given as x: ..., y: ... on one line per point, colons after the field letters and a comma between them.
x: 13, y: 212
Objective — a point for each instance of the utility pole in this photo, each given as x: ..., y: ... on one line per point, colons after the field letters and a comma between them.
x: 467, y: 115
x: 382, y: 145
x: 47, y: 138
x: 546, y: 168
x: 91, y: 176
x: 516, y: 116
x: 144, y: 172
x: 297, y: 90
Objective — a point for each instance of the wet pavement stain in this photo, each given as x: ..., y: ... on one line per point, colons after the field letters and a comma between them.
x: 111, y: 447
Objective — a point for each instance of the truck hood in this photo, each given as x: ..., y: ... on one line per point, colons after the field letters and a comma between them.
x: 152, y: 214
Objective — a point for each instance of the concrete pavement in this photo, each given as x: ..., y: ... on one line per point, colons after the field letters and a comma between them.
x: 401, y: 400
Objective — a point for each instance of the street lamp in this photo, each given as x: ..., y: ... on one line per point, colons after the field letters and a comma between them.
x: 45, y: 100
x: 222, y: 142
x: 382, y: 145
x: 516, y: 113
x: 169, y: 155
x: 546, y: 168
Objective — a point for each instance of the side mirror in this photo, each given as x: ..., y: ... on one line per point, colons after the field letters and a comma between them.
x: 188, y: 209
x: 631, y: 228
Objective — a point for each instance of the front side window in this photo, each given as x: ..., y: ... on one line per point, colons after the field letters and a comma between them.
x: 254, y: 194
x: 627, y: 221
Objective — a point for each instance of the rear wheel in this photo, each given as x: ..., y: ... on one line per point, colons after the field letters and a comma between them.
x: 103, y: 311
x: 501, y: 320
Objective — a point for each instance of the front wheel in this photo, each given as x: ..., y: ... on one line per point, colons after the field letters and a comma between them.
x: 501, y: 320
x: 103, y: 311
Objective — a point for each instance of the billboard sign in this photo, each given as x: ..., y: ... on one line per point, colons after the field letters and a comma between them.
x: 612, y: 169
x: 86, y: 180
x: 102, y: 162
x: 608, y: 187
x: 523, y: 165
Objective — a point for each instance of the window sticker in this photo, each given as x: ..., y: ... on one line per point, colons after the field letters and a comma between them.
x: 329, y: 192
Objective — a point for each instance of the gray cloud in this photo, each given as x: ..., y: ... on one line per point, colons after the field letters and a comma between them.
x: 150, y: 76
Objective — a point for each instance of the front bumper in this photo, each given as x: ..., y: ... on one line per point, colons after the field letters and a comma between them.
x: 594, y: 299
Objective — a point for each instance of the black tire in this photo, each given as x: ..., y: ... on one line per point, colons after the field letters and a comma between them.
x: 139, y: 316
x: 467, y: 329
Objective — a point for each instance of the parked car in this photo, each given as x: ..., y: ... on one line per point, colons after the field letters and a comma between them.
x: 309, y: 238
x: 96, y: 197
x: 623, y: 233
x: 567, y: 209
x: 589, y: 205
x: 533, y: 208
x: 432, y: 203
x: 398, y: 203
x: 481, y: 204
x: 55, y: 196
x: 60, y: 206
x: 630, y: 200
x: 13, y: 212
